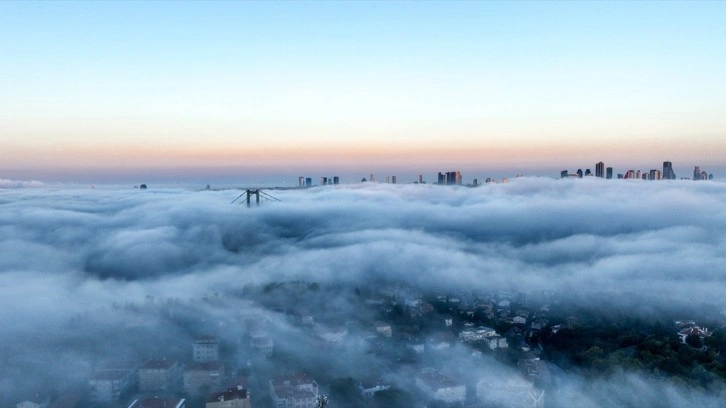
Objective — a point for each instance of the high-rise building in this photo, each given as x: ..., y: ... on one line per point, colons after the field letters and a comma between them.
x: 609, y: 173
x: 323, y: 181
x: 588, y: 173
x: 668, y: 172
x: 563, y: 174
x: 388, y: 179
x: 579, y: 173
x: 697, y: 173
x: 420, y: 178
x: 475, y: 183
x: 372, y: 179
x: 600, y: 169
x: 441, y: 178
x: 393, y: 179
x: 452, y: 178
x: 308, y: 181
x: 336, y: 180
x: 655, y: 174
x: 301, y: 182
x: 630, y: 174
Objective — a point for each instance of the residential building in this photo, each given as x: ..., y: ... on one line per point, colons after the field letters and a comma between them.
x: 262, y: 344
x: 509, y: 391
x: 205, y: 349
x: 111, y: 378
x: 157, y: 402
x: 160, y: 375
x: 236, y: 397
x: 293, y: 391
x: 438, y: 386
x: 200, y: 378
x: 609, y: 173
x: 368, y: 388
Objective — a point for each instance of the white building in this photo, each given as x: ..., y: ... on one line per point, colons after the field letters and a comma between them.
x: 384, y: 329
x: 237, y: 397
x: 369, y: 388
x: 160, y: 375
x: 510, y: 392
x: 203, y: 376
x: 293, y: 391
x: 438, y: 386
x: 475, y: 334
x: 262, y: 344
x: 205, y: 349
x: 107, y: 385
x: 496, y: 342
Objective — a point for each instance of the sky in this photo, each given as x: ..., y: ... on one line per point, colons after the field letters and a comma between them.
x: 80, y: 269
x: 119, y: 91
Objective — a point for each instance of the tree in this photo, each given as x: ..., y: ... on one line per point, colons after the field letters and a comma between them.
x: 694, y: 341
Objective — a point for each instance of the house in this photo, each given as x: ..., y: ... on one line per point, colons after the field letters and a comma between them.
x: 72, y: 400
x: 160, y: 375
x: 262, y: 344
x: 470, y: 334
x: 384, y: 329
x: 368, y: 388
x: 111, y: 378
x: 509, y: 391
x: 205, y: 349
x: 441, y: 341
x: 107, y: 385
x: 701, y: 332
x: 37, y: 400
x: 495, y: 342
x: 202, y: 377
x: 438, y: 386
x: 236, y: 397
x: 293, y: 391
x: 331, y: 335
x: 157, y: 402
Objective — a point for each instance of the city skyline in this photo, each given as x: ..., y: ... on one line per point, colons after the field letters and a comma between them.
x: 98, y: 92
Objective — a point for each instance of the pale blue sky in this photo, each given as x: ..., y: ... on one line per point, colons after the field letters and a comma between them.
x: 100, y: 86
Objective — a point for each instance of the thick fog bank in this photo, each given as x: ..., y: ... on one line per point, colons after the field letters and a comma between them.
x: 77, y: 265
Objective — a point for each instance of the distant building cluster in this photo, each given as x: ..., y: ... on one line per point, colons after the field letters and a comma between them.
x: 666, y: 173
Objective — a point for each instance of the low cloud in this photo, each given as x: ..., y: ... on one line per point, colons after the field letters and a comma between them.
x: 74, y: 255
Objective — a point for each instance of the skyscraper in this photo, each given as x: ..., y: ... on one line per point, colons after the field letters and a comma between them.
x: 579, y: 173
x: 600, y: 170
x: 336, y: 180
x: 609, y: 173
x: 308, y: 181
x: 668, y: 172
x: 301, y: 182
x: 393, y: 179
x: 563, y: 174
x: 655, y: 174
x: 697, y: 173
x: 441, y: 178
x: 588, y: 172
